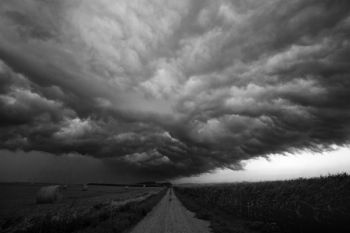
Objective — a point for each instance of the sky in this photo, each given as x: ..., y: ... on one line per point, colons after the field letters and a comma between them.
x: 305, y: 164
x: 124, y: 91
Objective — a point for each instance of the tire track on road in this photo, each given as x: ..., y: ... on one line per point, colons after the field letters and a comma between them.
x: 170, y: 216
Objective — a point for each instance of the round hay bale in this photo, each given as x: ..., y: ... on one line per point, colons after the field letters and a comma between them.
x: 49, y: 194
x: 85, y: 187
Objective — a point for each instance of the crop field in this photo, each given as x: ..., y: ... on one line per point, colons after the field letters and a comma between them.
x: 302, y: 205
x: 293, y: 206
x: 97, y: 209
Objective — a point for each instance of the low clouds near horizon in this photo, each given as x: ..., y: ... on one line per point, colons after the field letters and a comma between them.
x: 174, y: 88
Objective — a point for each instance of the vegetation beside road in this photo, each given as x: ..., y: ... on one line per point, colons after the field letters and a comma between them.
x: 302, y: 205
x: 112, y: 216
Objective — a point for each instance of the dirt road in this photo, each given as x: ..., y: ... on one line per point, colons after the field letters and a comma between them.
x: 170, y: 216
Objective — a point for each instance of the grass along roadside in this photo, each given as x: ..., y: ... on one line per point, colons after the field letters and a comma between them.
x: 220, y: 222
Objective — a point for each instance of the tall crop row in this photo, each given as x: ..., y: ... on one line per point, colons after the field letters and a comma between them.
x: 303, y: 205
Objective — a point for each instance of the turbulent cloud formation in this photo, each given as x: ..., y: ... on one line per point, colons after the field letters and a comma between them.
x: 174, y: 88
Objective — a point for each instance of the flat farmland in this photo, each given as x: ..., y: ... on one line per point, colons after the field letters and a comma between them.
x: 303, y: 205
x: 77, y: 209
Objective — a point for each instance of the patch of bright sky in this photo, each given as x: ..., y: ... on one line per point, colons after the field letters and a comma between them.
x: 280, y: 167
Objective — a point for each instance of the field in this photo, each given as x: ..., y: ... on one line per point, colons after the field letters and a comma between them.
x: 99, y: 209
x: 302, y: 205
x: 294, y: 206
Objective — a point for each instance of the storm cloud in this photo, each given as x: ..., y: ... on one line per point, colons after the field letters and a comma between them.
x: 174, y: 88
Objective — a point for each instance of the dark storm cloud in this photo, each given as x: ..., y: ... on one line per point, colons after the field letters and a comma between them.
x: 170, y: 89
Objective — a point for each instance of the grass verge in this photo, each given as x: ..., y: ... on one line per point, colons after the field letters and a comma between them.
x: 222, y: 222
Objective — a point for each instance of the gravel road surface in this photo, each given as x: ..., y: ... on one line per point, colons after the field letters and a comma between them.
x: 170, y: 216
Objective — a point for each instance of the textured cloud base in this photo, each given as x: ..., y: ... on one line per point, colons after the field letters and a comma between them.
x: 174, y: 88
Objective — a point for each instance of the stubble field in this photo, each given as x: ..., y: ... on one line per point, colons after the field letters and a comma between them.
x: 98, y: 209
